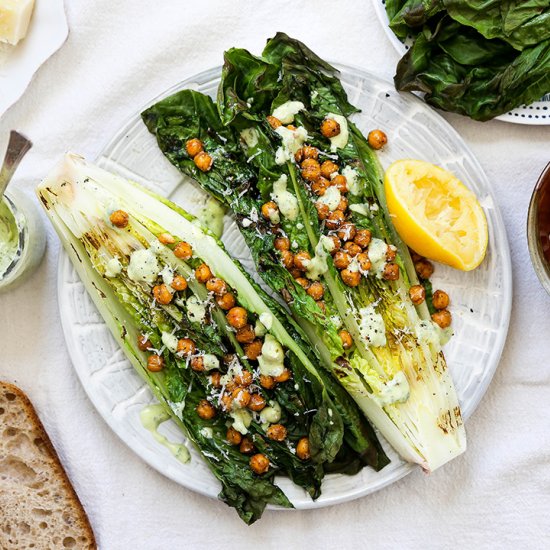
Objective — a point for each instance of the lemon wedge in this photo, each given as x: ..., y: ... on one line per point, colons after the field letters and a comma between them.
x: 436, y: 214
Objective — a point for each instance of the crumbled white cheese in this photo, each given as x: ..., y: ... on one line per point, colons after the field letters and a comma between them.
x: 377, y: 256
x: 286, y: 201
x: 196, y: 310
x: 318, y: 265
x: 335, y: 321
x: 292, y: 141
x: 285, y: 112
x: 114, y: 267
x: 271, y: 414
x: 250, y: 137
x: 143, y: 266
x: 331, y: 198
x: 341, y: 140
x: 242, y: 418
x: 170, y: 341
x: 266, y: 319
x: 371, y: 326
x: 351, y: 177
x: 156, y: 246
x: 259, y: 329
x: 271, y: 360
x: 245, y: 222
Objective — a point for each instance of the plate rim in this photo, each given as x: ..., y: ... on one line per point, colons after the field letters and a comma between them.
x: 402, y: 470
x: 510, y: 116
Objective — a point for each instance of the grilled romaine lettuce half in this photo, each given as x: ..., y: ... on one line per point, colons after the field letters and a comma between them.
x: 172, y: 311
x: 395, y: 369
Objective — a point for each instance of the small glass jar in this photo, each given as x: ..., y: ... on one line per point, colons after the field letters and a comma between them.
x: 22, y: 238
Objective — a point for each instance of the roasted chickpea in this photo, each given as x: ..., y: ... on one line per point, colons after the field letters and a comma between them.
x: 257, y: 402
x: 244, y: 378
x: 347, y: 340
x: 241, y: 396
x: 227, y: 399
x: 274, y: 122
x: 343, y: 204
x: 319, y: 186
x: 295, y: 272
x: 352, y: 249
x: 302, y: 449
x: 287, y: 259
x: 364, y: 261
x: 246, y: 447
x: 216, y: 379
x: 233, y: 436
x: 282, y: 243
x: 306, y: 152
x: 269, y: 209
x: 166, y: 238
x: 341, y: 183
x: 336, y: 244
x: 424, y: 268
x: 283, y: 377
x: 203, y: 273
x: 377, y: 139
x: 246, y: 334
x: 391, y: 253
x: 144, y: 343
x: 335, y: 219
x: 415, y: 256
x: 229, y: 358
x: 341, y: 259
x: 226, y: 302
x: 237, y: 317
x: 321, y: 305
x: 350, y: 278
x: 323, y: 210
x: 253, y: 350
x: 259, y: 463
x: 276, y: 432
x: 206, y: 410
x: 193, y: 147
x: 362, y: 238
x: 316, y: 290
x: 417, y: 294
x: 442, y: 317
x: 178, y: 283
x: 197, y: 363
x: 328, y: 168
x: 391, y: 272
x: 186, y: 347
x: 183, y: 250
x: 330, y: 128
x: 155, y: 363
x: 203, y: 161
x: 162, y: 294
x: 217, y: 286
x: 303, y: 282
x: 119, y: 218
x: 440, y: 299
x: 301, y: 260
x: 347, y: 231
x: 267, y: 382
x: 311, y: 169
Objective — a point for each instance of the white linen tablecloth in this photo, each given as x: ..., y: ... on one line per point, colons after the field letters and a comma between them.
x: 121, y: 53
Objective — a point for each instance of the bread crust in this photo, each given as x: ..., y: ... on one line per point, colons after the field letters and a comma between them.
x: 10, y: 397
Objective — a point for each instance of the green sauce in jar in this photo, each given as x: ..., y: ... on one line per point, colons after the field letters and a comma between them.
x: 9, y: 238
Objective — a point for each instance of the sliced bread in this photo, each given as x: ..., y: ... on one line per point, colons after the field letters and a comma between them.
x: 39, y: 508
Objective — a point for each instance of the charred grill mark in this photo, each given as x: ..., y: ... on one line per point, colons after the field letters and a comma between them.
x: 99, y: 291
x: 77, y: 255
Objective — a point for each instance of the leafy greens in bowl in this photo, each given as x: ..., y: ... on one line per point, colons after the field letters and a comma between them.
x: 479, y: 59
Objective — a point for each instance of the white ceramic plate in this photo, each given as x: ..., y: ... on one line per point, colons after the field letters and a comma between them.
x: 47, y: 32
x: 538, y: 113
x: 481, y: 299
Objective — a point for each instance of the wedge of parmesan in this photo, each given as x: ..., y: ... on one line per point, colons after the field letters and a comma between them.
x: 15, y: 16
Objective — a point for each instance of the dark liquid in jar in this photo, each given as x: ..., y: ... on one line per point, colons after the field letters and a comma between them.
x: 544, y: 217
